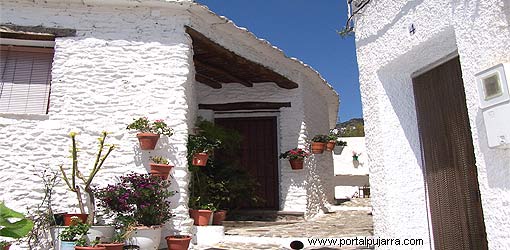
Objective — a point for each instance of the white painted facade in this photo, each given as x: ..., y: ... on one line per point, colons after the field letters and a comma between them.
x: 388, y: 56
x: 131, y: 59
x: 350, y: 174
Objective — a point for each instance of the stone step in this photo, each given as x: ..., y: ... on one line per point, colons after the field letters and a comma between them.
x: 264, y: 215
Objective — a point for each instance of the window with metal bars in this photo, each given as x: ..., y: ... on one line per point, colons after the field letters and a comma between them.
x: 25, y: 79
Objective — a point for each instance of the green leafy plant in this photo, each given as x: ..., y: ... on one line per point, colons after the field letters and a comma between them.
x: 295, y: 154
x: 200, y: 143
x: 71, y: 182
x: 333, y: 134
x: 159, y: 160
x: 13, y: 224
x: 339, y: 142
x: 143, y: 125
x: 4, y: 243
x: 320, y: 138
x: 76, y: 231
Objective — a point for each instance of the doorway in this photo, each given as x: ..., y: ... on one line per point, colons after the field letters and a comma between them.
x: 258, y: 155
x: 448, y: 159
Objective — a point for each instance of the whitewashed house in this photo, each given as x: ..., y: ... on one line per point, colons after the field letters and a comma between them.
x: 438, y: 153
x: 112, y: 61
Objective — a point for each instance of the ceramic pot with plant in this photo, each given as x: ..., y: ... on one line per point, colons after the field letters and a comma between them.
x: 73, y: 235
x: 178, y: 242
x: 117, y: 242
x: 296, y: 157
x: 332, y: 137
x: 76, y: 176
x: 340, y: 145
x: 149, y: 131
x: 84, y: 244
x: 160, y: 167
x: 144, y: 199
x: 14, y: 225
x: 199, y: 147
x: 201, y: 213
x: 319, y: 143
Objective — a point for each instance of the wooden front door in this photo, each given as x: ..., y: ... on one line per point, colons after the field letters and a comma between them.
x: 448, y: 157
x: 258, y: 155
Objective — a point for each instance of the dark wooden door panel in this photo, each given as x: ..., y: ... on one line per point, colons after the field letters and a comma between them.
x: 448, y: 157
x: 258, y: 154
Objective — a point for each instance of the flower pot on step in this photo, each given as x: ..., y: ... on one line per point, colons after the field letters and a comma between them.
x: 147, y: 141
x: 200, y: 217
x: 330, y: 145
x: 161, y: 170
x: 67, y: 218
x: 112, y: 246
x: 219, y: 216
x: 178, y: 242
x: 200, y: 159
x: 296, y: 164
x: 318, y: 147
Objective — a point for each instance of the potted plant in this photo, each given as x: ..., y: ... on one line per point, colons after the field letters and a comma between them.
x: 83, y: 244
x: 296, y: 157
x: 319, y: 143
x: 160, y: 167
x: 355, y: 156
x: 332, y: 136
x: 117, y: 240
x: 77, y: 230
x: 144, y: 199
x: 13, y: 225
x: 200, y: 211
x: 178, y: 242
x: 71, y: 180
x: 149, y: 132
x: 339, y: 146
x: 199, y: 147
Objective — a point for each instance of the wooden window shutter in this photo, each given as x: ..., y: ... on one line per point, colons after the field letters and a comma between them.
x: 26, y: 78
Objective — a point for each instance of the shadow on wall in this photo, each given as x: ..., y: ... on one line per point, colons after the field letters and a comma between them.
x: 397, y: 83
x: 497, y: 173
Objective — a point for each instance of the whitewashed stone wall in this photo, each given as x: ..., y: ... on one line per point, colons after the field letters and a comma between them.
x: 349, y: 174
x: 387, y: 56
x: 122, y: 64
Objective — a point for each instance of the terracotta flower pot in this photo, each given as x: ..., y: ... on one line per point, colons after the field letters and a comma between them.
x: 178, y: 242
x: 89, y: 248
x: 200, y: 159
x: 112, y: 246
x: 147, y: 140
x: 67, y: 218
x: 318, y: 147
x: 219, y: 216
x: 6, y: 247
x: 161, y: 170
x: 330, y: 145
x: 200, y: 217
x: 296, y: 164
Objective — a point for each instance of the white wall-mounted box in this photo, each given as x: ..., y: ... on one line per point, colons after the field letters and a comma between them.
x: 495, y: 104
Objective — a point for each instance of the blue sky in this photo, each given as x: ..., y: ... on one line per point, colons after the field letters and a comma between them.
x: 306, y: 30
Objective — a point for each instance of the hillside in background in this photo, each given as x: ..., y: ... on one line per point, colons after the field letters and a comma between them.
x: 352, y: 128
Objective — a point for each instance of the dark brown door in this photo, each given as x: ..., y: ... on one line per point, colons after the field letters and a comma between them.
x: 259, y: 154
x: 448, y: 156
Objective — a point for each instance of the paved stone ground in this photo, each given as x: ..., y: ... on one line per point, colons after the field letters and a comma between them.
x: 339, y: 224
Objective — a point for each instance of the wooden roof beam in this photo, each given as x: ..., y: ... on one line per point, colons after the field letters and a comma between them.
x: 244, y: 106
x: 220, y: 71
x: 208, y: 81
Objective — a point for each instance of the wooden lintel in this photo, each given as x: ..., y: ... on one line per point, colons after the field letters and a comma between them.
x: 217, y: 70
x: 244, y: 106
x: 36, y: 30
x: 208, y: 81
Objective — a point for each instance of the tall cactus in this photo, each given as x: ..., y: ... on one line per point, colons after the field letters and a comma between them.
x: 87, y: 181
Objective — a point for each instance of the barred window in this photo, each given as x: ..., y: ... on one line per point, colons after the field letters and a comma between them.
x: 25, y: 79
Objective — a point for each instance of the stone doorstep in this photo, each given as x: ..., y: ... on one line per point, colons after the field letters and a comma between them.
x: 265, y: 215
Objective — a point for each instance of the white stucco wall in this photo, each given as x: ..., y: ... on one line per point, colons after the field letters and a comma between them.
x: 387, y: 57
x: 102, y: 78
x: 349, y: 174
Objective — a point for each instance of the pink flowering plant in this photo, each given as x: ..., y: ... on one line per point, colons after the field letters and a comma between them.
x: 295, y: 154
x: 143, y: 125
x: 141, y: 197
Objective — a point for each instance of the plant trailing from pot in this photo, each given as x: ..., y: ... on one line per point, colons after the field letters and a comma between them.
x: 77, y: 230
x: 71, y: 180
x: 296, y: 157
x: 200, y: 146
x: 13, y: 225
x: 142, y: 198
x: 319, y: 143
x: 160, y: 167
x: 149, y: 132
